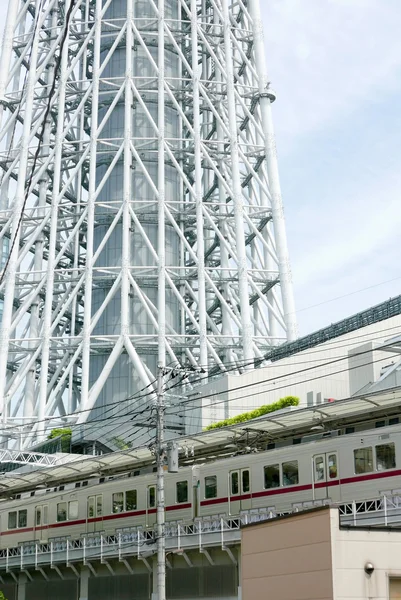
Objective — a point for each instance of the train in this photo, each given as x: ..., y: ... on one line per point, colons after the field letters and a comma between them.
x: 336, y: 468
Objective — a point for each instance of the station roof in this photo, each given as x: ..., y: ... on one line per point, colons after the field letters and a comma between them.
x: 215, y: 443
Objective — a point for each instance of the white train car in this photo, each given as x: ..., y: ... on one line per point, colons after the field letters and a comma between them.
x: 340, y: 468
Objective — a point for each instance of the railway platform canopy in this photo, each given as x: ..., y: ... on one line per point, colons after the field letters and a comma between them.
x: 303, y: 424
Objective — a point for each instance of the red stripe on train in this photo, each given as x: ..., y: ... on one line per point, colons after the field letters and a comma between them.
x: 210, y: 502
x: 123, y: 515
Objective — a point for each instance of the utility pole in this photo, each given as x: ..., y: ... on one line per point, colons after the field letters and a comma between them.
x: 160, y: 503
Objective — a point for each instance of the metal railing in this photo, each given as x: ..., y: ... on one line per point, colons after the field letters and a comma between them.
x: 203, y: 533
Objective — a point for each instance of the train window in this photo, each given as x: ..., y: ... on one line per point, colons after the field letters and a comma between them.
x: 234, y: 483
x: 319, y: 468
x: 385, y: 457
x: 91, y: 507
x: 22, y: 518
x: 95, y: 506
x: 332, y: 466
x: 62, y: 511
x: 182, y: 491
x: 12, y: 520
x: 290, y: 472
x: 246, y: 481
x: 41, y: 515
x: 363, y: 460
x: 99, y: 506
x: 118, y: 502
x: 130, y: 500
x: 272, y: 476
x: 393, y: 421
x: 211, y: 486
x: 73, y: 509
x: 151, y: 496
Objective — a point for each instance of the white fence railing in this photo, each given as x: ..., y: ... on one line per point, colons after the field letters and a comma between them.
x: 217, y: 531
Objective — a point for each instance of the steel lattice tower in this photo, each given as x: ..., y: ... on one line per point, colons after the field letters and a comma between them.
x: 141, y: 212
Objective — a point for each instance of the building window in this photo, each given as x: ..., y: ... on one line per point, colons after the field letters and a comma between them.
x: 272, y: 476
x: 211, y: 486
x: 182, y: 491
x: 290, y: 472
x: 385, y: 457
x: 363, y: 460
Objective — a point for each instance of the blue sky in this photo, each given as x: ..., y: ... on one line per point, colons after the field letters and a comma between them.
x: 336, y: 68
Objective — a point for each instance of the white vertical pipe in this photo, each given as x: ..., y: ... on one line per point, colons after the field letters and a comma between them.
x: 127, y: 184
x: 237, y: 198
x: 226, y: 326
x: 6, y: 50
x: 265, y: 101
x: 50, y: 272
x: 198, y: 189
x: 17, y: 208
x: 29, y: 402
x: 161, y: 241
x: 86, y: 334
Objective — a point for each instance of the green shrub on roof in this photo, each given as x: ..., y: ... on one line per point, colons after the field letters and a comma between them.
x: 65, y: 434
x: 258, y: 412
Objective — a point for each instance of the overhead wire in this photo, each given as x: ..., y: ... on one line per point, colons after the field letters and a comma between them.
x: 41, y: 135
x: 140, y: 396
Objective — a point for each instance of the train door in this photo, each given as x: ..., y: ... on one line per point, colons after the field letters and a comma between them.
x: 94, y: 513
x: 41, y: 521
x: 239, y: 488
x: 325, y: 476
x: 151, y: 505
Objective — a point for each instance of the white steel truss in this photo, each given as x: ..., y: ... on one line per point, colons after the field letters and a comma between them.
x: 141, y: 214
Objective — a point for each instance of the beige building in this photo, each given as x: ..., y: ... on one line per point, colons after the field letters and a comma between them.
x: 308, y: 556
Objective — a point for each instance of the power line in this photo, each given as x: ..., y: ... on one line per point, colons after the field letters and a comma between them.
x: 198, y: 398
x: 145, y: 397
x: 41, y: 135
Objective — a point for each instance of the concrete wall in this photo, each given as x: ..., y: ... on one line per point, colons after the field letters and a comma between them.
x: 352, y: 550
x: 322, y: 371
x: 288, y: 559
x: 308, y: 556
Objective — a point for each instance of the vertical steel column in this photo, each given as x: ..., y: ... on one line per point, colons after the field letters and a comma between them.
x: 54, y: 210
x: 10, y: 274
x: 6, y: 50
x: 265, y: 99
x: 237, y: 193
x: 86, y: 342
x: 198, y: 188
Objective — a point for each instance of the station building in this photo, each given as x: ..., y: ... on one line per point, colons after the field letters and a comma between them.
x: 312, y: 555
